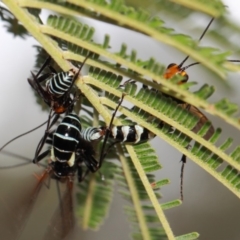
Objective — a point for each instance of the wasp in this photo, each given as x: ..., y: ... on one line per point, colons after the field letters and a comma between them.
x: 56, y: 94
x: 70, y: 155
x: 178, y: 69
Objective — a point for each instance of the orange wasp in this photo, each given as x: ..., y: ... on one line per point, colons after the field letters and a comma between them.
x: 178, y: 69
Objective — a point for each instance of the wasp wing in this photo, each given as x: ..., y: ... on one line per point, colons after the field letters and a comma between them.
x: 16, y: 217
x: 62, y: 222
x: 202, y: 120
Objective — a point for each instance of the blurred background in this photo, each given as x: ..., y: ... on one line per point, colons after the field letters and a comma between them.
x: 208, y: 207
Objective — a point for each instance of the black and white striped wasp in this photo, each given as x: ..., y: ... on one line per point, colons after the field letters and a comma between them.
x: 125, y: 133
x: 56, y: 94
x: 70, y: 150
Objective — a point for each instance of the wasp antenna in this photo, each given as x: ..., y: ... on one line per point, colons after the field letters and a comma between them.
x: 190, y: 65
x: 125, y: 83
x: 233, y: 60
x: 83, y: 63
x: 22, y: 135
x: 16, y: 165
x: 183, y: 160
x: 27, y: 160
x: 184, y: 60
x: 102, y: 155
x: 46, y: 134
x: 47, y: 61
x: 115, y: 112
x: 79, y: 69
x: 204, y: 32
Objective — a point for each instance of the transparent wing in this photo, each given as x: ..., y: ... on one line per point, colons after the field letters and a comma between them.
x: 16, y: 211
x: 62, y: 222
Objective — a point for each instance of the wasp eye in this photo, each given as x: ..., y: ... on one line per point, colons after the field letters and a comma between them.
x: 171, y: 65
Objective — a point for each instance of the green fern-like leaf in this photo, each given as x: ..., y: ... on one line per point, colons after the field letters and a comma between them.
x: 156, y: 104
x: 95, y: 196
x: 12, y: 25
